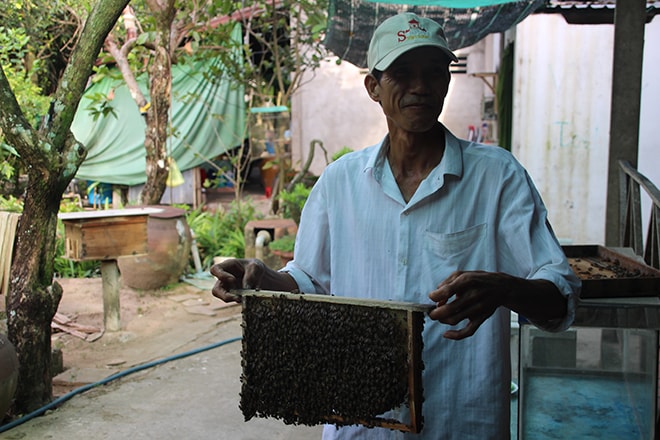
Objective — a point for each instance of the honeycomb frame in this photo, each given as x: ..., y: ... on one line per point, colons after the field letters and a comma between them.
x: 316, y: 359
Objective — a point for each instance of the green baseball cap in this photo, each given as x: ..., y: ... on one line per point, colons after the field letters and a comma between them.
x: 401, y: 33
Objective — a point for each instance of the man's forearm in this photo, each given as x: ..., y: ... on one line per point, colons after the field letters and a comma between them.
x: 536, y: 300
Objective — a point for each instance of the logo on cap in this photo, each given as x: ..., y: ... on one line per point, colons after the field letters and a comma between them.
x: 414, y: 31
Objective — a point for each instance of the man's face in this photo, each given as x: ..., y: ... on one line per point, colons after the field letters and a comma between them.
x: 412, y: 90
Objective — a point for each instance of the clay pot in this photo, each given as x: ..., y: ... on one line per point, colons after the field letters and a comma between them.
x: 8, y: 374
x: 285, y: 256
x: 168, y: 243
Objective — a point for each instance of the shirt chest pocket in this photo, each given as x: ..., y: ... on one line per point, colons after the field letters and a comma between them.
x: 456, y: 246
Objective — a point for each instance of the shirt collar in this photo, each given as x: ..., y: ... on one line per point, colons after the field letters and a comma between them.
x: 451, y: 162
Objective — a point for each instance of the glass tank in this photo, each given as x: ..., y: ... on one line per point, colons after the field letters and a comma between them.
x: 587, y: 383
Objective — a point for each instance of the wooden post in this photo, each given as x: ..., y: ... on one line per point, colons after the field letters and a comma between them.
x: 110, y: 277
x: 629, y: 22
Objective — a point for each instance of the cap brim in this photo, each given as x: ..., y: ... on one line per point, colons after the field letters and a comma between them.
x: 388, y: 59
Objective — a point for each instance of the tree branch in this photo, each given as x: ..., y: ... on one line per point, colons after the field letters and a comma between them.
x: 121, y: 58
x: 16, y: 129
x: 70, y: 90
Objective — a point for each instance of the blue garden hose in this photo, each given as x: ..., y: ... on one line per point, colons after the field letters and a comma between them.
x: 109, y: 379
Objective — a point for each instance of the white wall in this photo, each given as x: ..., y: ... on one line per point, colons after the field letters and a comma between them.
x: 562, y: 95
x: 649, y: 127
x: 466, y: 92
x: 334, y: 107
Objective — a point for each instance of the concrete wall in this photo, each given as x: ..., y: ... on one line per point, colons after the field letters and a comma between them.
x: 333, y: 107
x: 649, y: 127
x: 563, y: 77
x: 463, y: 105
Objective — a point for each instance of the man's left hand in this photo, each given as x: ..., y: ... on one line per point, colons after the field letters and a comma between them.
x: 472, y: 296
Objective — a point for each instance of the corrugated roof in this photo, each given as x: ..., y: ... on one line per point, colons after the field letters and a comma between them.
x: 591, y: 11
x: 595, y: 4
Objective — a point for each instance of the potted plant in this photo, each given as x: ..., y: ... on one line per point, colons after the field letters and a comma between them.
x: 292, y: 201
x: 283, y: 247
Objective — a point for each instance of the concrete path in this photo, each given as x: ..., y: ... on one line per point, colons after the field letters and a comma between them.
x: 192, y: 398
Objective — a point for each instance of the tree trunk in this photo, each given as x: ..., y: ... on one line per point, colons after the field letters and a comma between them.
x: 52, y: 156
x: 160, y: 90
x: 33, y: 296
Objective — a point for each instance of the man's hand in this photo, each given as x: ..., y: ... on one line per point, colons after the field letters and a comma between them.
x: 236, y: 274
x: 248, y: 274
x: 476, y: 295
x: 468, y: 295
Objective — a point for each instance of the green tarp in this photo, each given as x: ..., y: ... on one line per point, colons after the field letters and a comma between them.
x: 352, y: 22
x: 207, y: 119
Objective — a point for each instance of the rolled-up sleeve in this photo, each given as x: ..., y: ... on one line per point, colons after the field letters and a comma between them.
x: 534, y: 247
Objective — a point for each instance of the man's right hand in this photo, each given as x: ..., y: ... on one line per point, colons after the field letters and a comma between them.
x: 251, y: 273
x: 236, y: 274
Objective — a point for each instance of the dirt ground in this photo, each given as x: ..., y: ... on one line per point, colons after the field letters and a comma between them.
x: 144, y: 315
x: 154, y: 325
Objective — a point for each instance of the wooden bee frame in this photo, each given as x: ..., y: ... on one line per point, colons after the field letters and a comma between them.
x: 314, y: 359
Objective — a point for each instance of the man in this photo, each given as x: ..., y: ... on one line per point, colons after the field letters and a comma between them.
x: 424, y: 217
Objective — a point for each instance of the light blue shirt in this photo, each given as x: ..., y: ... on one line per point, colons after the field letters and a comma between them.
x: 477, y: 210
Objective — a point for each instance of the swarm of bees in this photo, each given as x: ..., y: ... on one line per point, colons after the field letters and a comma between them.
x: 311, y: 361
x: 593, y: 269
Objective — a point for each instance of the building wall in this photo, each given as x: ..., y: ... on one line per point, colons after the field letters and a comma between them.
x: 563, y: 80
x: 649, y: 129
x: 332, y: 106
x: 464, y: 102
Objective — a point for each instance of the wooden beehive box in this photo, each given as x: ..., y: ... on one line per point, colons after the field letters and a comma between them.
x: 105, y: 235
x: 316, y: 359
x: 606, y: 273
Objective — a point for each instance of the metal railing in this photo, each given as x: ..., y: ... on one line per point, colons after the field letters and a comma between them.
x: 631, y: 234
